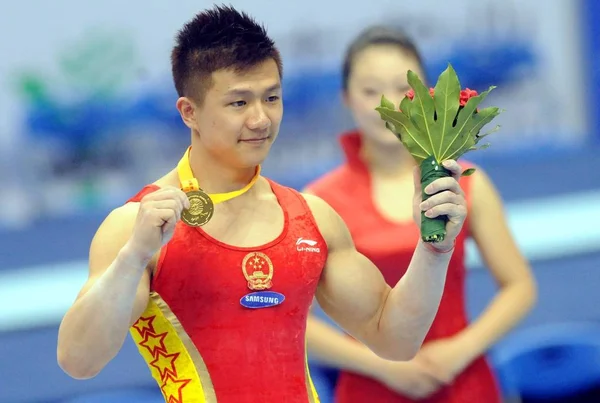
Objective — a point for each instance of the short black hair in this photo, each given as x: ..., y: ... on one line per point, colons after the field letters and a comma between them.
x: 377, y: 35
x: 216, y: 39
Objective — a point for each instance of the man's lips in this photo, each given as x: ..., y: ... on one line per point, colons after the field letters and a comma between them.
x: 255, y: 139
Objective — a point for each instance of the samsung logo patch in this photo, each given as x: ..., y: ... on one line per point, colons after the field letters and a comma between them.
x: 262, y: 299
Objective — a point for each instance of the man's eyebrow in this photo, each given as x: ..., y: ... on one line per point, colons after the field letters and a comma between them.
x: 240, y: 91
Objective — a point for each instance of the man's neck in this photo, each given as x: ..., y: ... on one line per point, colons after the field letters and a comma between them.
x: 215, y: 176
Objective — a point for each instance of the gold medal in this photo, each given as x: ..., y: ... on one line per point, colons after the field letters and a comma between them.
x: 201, y: 209
x: 202, y: 205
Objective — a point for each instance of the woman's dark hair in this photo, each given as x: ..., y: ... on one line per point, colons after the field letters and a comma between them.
x: 377, y: 35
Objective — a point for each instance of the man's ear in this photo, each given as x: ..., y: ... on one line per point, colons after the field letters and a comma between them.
x: 187, y: 110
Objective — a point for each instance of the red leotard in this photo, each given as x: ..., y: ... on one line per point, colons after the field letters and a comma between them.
x: 201, y: 344
x: 390, y: 246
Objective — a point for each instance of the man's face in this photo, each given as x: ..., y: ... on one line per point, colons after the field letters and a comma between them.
x: 240, y: 116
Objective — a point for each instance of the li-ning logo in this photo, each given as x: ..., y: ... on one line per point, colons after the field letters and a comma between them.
x: 307, y: 245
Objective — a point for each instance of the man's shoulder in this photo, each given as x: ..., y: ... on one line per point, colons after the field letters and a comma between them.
x: 316, y: 204
x: 327, y: 219
x: 312, y: 201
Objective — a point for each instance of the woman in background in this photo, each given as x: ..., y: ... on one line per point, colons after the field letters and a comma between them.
x: 372, y: 191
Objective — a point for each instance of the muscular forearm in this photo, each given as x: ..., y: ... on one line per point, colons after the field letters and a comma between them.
x: 331, y: 347
x: 509, y: 306
x: 412, y: 304
x: 94, y: 329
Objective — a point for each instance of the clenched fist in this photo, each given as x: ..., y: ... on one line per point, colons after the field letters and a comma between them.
x: 157, y: 216
x: 448, y: 200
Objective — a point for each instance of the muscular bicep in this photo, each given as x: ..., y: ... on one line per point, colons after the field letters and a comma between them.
x: 352, y: 290
x: 108, y: 241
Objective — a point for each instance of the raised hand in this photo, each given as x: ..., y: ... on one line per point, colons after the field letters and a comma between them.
x: 448, y: 199
x: 157, y: 216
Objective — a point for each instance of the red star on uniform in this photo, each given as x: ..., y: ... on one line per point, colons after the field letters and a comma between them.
x: 154, y: 343
x: 165, y: 363
x: 175, y: 395
x: 143, y: 325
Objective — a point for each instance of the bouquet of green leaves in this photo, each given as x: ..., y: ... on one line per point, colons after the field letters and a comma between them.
x: 435, y: 125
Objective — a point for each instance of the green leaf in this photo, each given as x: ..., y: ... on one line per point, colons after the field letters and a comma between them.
x: 494, y: 130
x: 438, y: 126
x: 405, y: 131
x: 466, y: 120
x: 386, y: 103
x: 391, y: 128
x: 405, y: 105
x: 468, y: 172
x: 470, y: 134
x: 422, y: 110
x: 446, y: 100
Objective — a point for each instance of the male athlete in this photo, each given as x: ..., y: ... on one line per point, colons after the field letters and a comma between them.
x: 212, y: 268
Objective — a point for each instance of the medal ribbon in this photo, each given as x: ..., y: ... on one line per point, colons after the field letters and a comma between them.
x: 189, y: 182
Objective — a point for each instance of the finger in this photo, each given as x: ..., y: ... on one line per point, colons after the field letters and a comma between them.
x: 417, y: 180
x: 156, y: 196
x: 170, y: 204
x: 454, y: 167
x: 439, y: 379
x: 425, y: 386
x: 160, y: 217
x: 441, y: 184
x: 182, y: 196
x: 435, y: 375
x: 166, y: 218
x: 169, y: 226
x: 185, y: 201
x: 179, y: 194
x: 432, y: 373
x: 168, y: 192
x: 441, y: 198
x: 448, y: 209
